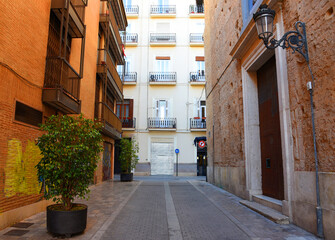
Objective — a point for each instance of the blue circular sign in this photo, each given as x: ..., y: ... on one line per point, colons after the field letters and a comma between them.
x: 177, y: 150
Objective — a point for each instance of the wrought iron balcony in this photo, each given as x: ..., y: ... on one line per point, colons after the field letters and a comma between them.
x: 162, y: 38
x: 132, y: 9
x: 163, y: 9
x: 129, y: 123
x: 196, y: 9
x: 130, y: 38
x: 111, y: 124
x: 196, y: 38
x: 197, y: 76
x: 129, y: 77
x: 61, y: 86
x: 162, y: 123
x: 197, y: 123
x: 162, y: 77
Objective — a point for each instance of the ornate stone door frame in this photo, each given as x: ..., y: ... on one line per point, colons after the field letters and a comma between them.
x: 250, y: 64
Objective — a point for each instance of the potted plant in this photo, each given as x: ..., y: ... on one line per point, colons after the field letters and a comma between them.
x: 128, y: 158
x: 70, y: 149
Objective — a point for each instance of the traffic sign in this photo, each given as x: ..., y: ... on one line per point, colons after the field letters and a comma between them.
x: 202, y: 144
x: 177, y: 150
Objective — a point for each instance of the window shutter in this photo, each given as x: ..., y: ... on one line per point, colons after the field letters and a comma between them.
x: 131, y: 108
x: 200, y: 58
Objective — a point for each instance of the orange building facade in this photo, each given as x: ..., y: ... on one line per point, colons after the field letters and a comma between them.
x: 57, y: 57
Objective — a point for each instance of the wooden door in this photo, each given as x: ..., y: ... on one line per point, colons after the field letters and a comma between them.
x: 271, y: 152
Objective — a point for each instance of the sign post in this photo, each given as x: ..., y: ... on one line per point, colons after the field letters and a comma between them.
x: 177, y: 152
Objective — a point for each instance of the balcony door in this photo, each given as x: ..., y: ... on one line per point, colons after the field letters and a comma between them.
x: 162, y: 110
x: 163, y: 2
x: 163, y: 66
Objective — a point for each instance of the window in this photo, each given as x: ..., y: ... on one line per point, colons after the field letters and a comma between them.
x: 163, y: 27
x: 127, y: 2
x: 26, y: 114
x: 162, y: 65
x: 163, y: 2
x: 162, y: 109
x: 200, y: 62
x: 127, y: 109
x: 201, y: 109
x: 248, y: 8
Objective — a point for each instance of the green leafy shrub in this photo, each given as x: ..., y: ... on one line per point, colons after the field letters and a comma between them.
x: 70, y: 149
x: 128, y: 155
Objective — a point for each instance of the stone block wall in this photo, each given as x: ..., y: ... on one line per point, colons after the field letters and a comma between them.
x: 225, y: 119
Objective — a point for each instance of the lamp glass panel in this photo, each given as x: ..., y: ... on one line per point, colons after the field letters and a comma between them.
x: 264, y: 25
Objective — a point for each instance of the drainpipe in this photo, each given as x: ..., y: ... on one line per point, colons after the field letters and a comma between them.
x: 310, y: 87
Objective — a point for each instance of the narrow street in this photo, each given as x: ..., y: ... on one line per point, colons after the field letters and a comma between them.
x: 165, y: 208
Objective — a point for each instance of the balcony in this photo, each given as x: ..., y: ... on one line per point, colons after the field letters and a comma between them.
x: 167, y: 124
x: 76, y: 9
x: 162, y: 78
x: 197, y: 11
x: 61, y: 86
x: 107, y: 70
x: 110, y: 27
x: 130, y: 78
x: 197, y: 78
x: 129, y: 124
x: 197, y: 124
x: 163, y: 11
x: 196, y: 40
x: 132, y: 11
x: 111, y: 124
x: 163, y: 39
x: 130, y: 39
x: 117, y: 8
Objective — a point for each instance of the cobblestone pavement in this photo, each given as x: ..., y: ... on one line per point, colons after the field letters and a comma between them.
x: 166, y: 208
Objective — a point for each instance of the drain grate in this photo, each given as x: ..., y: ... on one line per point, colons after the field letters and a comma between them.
x: 16, y: 232
x: 22, y: 225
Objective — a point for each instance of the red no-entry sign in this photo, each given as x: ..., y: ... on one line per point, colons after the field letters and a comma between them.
x: 201, y: 144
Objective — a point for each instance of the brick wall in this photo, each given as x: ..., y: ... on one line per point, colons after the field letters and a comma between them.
x: 23, y: 41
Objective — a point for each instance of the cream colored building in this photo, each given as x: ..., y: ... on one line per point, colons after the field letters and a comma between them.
x: 164, y: 84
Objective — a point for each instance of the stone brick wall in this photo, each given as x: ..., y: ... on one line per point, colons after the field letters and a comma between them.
x: 224, y: 85
x: 319, y: 18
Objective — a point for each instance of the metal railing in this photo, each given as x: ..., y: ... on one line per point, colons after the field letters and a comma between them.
x: 162, y: 77
x: 129, y: 76
x: 198, y: 123
x: 162, y: 37
x: 60, y: 74
x: 129, y: 123
x: 129, y: 38
x: 196, y: 9
x: 196, y: 38
x: 132, y: 9
x: 79, y: 6
x: 162, y: 122
x: 197, y: 76
x: 163, y: 9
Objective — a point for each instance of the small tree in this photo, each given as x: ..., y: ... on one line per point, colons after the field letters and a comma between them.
x: 128, y: 155
x: 70, y: 149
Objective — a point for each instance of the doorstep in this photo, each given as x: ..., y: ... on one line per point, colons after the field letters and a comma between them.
x: 267, y: 212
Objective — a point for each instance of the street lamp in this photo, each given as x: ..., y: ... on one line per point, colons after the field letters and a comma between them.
x: 297, y: 41
x: 292, y: 39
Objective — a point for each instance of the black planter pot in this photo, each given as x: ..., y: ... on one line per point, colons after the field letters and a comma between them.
x: 66, y: 222
x: 126, y: 177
